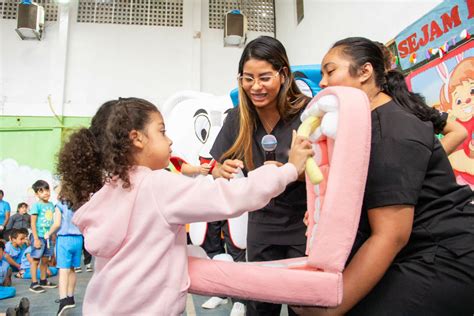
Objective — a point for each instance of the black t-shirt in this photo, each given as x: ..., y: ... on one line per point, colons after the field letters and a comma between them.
x: 281, y: 221
x: 408, y: 166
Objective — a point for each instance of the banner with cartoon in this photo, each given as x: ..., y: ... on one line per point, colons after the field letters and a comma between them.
x: 448, y: 84
x: 447, y: 26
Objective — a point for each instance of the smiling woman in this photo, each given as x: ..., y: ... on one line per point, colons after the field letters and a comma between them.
x: 269, y: 103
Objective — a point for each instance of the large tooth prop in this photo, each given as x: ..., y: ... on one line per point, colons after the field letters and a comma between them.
x: 342, y: 148
x: 319, y: 118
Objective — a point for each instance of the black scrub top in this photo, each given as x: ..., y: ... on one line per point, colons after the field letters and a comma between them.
x: 408, y: 166
x: 280, y: 222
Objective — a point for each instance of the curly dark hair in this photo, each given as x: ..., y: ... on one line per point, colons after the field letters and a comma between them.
x: 96, y: 155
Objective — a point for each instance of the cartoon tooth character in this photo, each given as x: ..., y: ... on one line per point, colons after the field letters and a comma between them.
x: 457, y: 97
x: 193, y: 121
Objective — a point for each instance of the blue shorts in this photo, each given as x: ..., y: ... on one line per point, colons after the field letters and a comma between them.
x: 44, y: 251
x: 69, y: 251
x: 27, y: 274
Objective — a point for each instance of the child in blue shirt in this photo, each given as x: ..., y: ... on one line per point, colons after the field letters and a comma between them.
x: 4, y: 213
x: 41, y: 220
x: 15, y: 247
x: 5, y: 270
x: 69, y: 244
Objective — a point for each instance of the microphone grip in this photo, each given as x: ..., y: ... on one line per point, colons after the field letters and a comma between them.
x: 270, y: 155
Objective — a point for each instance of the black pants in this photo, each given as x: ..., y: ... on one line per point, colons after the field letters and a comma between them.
x: 214, y: 244
x: 87, y: 256
x: 441, y: 286
x: 264, y: 252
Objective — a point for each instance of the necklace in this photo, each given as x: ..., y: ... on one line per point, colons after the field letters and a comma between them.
x: 266, y: 126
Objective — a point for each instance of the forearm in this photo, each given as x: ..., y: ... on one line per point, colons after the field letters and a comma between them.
x: 454, y: 134
x: 33, y: 226
x: 366, y: 269
x: 53, y: 229
x: 189, y: 170
x: 216, y: 171
x: 12, y: 262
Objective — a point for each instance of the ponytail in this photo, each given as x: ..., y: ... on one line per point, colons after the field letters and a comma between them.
x: 80, y: 167
x: 396, y: 87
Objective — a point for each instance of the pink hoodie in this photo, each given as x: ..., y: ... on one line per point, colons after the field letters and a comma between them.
x: 139, y: 240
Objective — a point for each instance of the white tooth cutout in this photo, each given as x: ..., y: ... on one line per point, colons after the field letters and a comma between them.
x: 328, y: 103
x: 329, y: 124
x: 311, y: 110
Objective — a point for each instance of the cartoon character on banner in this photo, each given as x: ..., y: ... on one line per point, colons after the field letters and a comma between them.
x: 194, y: 120
x: 457, y: 98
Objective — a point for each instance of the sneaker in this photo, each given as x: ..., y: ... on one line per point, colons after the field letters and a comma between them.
x: 11, y: 311
x: 213, y: 302
x: 89, y: 268
x: 47, y: 284
x: 23, y: 307
x: 238, y: 309
x: 78, y: 270
x: 64, y: 304
x: 71, y: 301
x: 36, y: 288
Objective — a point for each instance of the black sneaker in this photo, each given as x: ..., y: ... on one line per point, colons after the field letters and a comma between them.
x: 48, y: 285
x: 78, y: 270
x: 11, y: 311
x: 36, y: 288
x: 64, y: 304
x: 89, y: 268
x: 71, y: 301
x: 23, y: 307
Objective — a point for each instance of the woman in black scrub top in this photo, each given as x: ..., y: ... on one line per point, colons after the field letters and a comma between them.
x: 269, y: 103
x: 414, y: 249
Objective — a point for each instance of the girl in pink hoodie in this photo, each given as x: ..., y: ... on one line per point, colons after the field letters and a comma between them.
x: 136, y: 215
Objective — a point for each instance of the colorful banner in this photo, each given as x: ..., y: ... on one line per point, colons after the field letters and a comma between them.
x: 443, y: 27
x: 448, y: 85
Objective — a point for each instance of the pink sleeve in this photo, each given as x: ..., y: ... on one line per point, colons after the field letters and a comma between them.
x: 185, y: 200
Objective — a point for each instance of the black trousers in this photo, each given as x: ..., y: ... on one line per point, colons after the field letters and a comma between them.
x: 264, y: 252
x: 214, y: 244
x: 443, y: 285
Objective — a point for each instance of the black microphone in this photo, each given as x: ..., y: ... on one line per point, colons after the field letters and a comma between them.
x: 269, y: 144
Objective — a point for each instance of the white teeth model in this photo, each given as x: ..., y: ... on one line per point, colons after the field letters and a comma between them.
x: 328, y: 109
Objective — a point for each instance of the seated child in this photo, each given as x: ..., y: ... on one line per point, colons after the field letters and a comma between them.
x: 6, y: 290
x: 19, y: 220
x: 15, y: 247
x: 25, y: 271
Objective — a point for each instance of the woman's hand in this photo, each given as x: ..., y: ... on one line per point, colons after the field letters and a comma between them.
x: 37, y: 243
x: 229, y: 168
x: 301, y: 149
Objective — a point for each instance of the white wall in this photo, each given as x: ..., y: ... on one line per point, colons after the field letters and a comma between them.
x: 326, y: 21
x: 81, y: 65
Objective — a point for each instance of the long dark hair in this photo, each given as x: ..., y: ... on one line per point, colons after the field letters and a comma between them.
x: 95, y: 155
x: 362, y: 50
x: 290, y: 100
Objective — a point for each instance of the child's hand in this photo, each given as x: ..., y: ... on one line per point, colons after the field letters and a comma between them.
x: 230, y: 167
x: 301, y: 150
x: 37, y: 243
x: 204, y: 169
